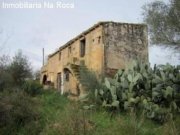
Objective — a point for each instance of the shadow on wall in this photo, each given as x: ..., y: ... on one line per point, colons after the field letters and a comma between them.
x: 164, y: 54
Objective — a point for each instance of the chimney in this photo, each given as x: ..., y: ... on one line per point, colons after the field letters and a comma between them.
x: 43, y: 56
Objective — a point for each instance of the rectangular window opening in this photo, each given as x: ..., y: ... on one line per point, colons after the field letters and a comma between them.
x: 59, y: 55
x: 82, y: 47
x: 69, y: 51
x: 99, y: 39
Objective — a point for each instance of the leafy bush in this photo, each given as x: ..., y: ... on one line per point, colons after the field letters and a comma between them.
x: 140, y: 87
x: 32, y: 87
x: 17, y: 110
x: 6, y: 80
x: 89, y: 81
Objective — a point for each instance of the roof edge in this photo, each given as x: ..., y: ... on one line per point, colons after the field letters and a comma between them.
x: 89, y: 30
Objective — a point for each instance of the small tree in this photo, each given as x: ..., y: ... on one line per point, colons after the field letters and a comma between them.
x: 20, y: 68
x: 163, y: 20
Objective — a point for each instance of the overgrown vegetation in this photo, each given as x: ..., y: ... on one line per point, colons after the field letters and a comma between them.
x: 137, y: 92
x: 32, y: 87
x: 17, y: 110
x: 90, y: 82
x: 14, y: 72
x: 52, y: 114
x: 139, y: 87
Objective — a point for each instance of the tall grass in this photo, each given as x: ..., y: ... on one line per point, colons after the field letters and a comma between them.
x: 65, y: 117
x: 56, y: 115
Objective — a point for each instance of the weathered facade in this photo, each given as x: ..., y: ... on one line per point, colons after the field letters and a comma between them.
x: 104, y: 48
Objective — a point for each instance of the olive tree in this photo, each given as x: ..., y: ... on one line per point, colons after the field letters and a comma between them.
x: 163, y: 20
x: 20, y: 68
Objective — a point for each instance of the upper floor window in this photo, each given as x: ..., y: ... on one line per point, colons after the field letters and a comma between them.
x: 93, y: 40
x: 69, y: 51
x: 60, y: 55
x: 82, y: 47
x: 99, y: 39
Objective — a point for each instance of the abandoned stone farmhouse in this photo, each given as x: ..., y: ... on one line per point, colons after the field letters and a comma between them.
x: 103, y: 48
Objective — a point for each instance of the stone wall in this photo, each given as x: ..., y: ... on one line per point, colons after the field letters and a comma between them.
x: 124, y: 42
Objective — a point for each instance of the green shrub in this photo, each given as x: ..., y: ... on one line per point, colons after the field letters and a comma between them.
x: 6, y: 80
x: 89, y: 81
x: 17, y: 110
x: 32, y: 87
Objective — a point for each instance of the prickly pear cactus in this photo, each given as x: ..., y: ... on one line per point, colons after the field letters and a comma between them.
x: 155, y: 90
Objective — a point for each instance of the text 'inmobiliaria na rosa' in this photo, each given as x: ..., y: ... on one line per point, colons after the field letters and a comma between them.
x: 38, y: 5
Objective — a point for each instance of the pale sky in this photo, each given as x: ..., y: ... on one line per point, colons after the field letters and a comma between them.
x: 34, y: 29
